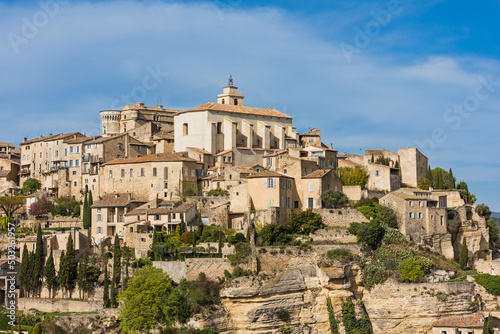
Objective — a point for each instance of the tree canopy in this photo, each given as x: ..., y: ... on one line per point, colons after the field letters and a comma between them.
x: 10, y: 204
x: 31, y: 186
x: 357, y: 176
x: 333, y: 198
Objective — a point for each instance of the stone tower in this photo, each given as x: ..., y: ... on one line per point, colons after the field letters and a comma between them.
x: 110, y: 120
x: 230, y: 95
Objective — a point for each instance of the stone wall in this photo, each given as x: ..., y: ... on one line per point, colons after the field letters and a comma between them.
x: 487, y: 267
x: 53, y: 222
x: 341, y: 217
x: 213, y: 268
x: 58, y: 305
x: 337, y: 235
x: 215, y: 208
x: 175, y: 269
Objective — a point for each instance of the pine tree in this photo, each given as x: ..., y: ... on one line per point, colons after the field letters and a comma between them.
x: 39, y: 259
x: 488, y: 327
x: 50, y: 273
x: 24, y: 275
x: 106, y: 287
x: 464, y: 255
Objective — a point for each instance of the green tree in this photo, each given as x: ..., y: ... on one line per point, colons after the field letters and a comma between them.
x: 146, y: 301
x: 39, y: 258
x: 464, y: 255
x: 37, y: 329
x: 488, y: 327
x: 334, y: 325
x: 220, y: 244
x: 370, y: 234
x: 357, y: 176
x: 50, y: 273
x: 91, y: 200
x: 424, y: 183
x: 10, y: 204
x: 396, y: 165
x: 183, y: 224
x: 127, y: 257
x: 117, y: 257
x: 68, y: 267
x: 200, y: 226
x: 373, y: 159
x: 113, y: 302
x: 483, y: 210
x: 106, y: 301
x: 333, y: 198
x: 451, y: 180
x: 430, y: 177
x: 25, y: 270
x: 86, y: 214
x: 31, y: 186
x: 305, y: 222
x: 88, y: 274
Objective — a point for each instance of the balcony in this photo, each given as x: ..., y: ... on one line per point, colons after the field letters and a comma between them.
x: 91, y: 158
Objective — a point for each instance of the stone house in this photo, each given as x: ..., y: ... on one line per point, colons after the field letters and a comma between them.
x: 311, y: 138
x: 9, y: 173
x: 166, y: 175
x: 164, y: 141
x: 7, y: 271
x: 323, y: 156
x: 313, y: 185
x: 213, y: 181
x: 6, y: 149
x: 273, y: 191
x: 228, y: 124
x: 202, y: 156
x: 57, y: 243
x: 459, y: 324
x: 108, y: 215
x: 383, y: 177
x: 419, y: 215
x: 236, y: 175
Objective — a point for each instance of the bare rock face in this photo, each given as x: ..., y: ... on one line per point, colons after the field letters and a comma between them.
x: 411, y: 308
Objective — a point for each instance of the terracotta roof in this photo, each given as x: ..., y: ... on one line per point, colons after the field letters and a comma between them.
x: 317, y: 174
x: 164, y: 135
x: 160, y: 211
x: 6, y: 144
x: 244, y: 169
x: 474, y: 320
x: 238, y: 109
x: 63, y: 136
x: 267, y: 173
x: 80, y: 140
x: 4, y: 173
x: 143, y: 107
x: 199, y: 150
x: 159, y: 157
x: 114, y: 200
x: 32, y: 238
x: 39, y: 192
x: 224, y: 152
x: 35, y: 140
x: 9, y: 160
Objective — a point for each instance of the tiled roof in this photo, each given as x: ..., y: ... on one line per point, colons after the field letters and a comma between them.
x: 4, y: 173
x: 317, y: 174
x: 164, y: 135
x: 224, y: 152
x: 160, y: 211
x: 199, y: 150
x: 244, y: 169
x: 474, y: 320
x: 274, y: 154
x: 35, y: 140
x: 63, y: 136
x: 142, y: 107
x: 266, y: 173
x: 238, y: 109
x: 81, y: 140
x: 159, y: 157
x: 114, y: 200
x: 6, y: 144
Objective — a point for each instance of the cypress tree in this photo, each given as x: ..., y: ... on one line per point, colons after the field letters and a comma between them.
x: 113, y: 302
x: 396, y: 165
x: 63, y: 272
x: 220, y: 243
x: 183, y: 224
x: 334, y: 325
x: 68, y: 266
x: 32, y: 279
x: 200, y: 226
x: 373, y: 159
x: 91, y: 201
x: 106, y: 287
x: 488, y: 327
x: 429, y: 176
x: 24, y: 274
x: 464, y: 255
x: 117, y: 258
x: 50, y: 273
x: 452, y: 180
x: 86, y: 217
x: 39, y: 259
x: 439, y: 179
x: 194, y: 243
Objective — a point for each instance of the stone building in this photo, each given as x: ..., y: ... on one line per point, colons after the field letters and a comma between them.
x: 108, y: 215
x: 228, y: 125
x: 413, y: 164
x: 455, y: 324
x: 9, y: 174
x: 9, y: 151
x: 383, y: 177
x: 7, y: 271
x: 166, y: 175
x: 419, y: 216
x: 139, y: 121
x: 313, y: 185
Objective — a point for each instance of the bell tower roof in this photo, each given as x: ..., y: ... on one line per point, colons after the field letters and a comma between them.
x: 230, y: 94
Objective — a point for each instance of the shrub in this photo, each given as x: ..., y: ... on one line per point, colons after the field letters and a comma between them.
x: 218, y: 192
x: 393, y: 236
x: 411, y: 270
x: 490, y: 282
x: 374, y: 273
x: 357, y: 176
x: 370, y: 233
x: 483, y: 210
x: 305, y: 222
x: 242, y: 253
x: 334, y: 198
x: 340, y: 254
x: 274, y: 234
x: 464, y: 255
x: 283, y: 315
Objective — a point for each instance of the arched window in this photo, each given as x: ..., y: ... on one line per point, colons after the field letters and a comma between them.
x: 185, y: 129
x: 223, y: 101
x: 235, y: 102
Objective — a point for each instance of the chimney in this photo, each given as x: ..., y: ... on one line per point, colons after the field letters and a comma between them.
x: 117, y: 195
x: 25, y: 140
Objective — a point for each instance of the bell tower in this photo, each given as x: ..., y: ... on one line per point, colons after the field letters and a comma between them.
x: 230, y: 95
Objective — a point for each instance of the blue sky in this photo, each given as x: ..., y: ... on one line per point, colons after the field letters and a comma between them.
x: 369, y: 74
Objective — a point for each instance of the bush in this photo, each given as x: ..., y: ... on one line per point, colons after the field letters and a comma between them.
x: 357, y: 176
x: 483, y: 210
x: 243, y: 251
x: 382, y: 213
x: 393, y: 236
x: 283, y: 315
x: 370, y: 234
x: 274, y: 234
x: 340, y: 254
x: 411, y: 270
x: 305, y: 222
x: 218, y: 192
x: 334, y: 198
x: 490, y: 282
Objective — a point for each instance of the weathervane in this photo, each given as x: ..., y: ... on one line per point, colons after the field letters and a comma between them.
x: 230, y: 80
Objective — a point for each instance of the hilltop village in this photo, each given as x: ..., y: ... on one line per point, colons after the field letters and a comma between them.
x: 293, y: 233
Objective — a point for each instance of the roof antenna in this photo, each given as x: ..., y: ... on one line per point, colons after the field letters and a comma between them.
x: 159, y: 102
x: 230, y: 83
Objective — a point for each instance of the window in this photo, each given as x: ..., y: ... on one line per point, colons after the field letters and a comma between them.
x: 270, y: 183
x: 420, y: 215
x: 142, y: 171
x: 154, y: 171
x: 166, y: 186
x: 173, y: 216
x: 296, y: 205
x: 33, y: 246
x: 409, y: 214
x: 378, y: 184
x: 78, y: 149
x: 131, y: 172
x: 282, y: 201
x: 441, y: 220
x: 157, y: 217
x: 219, y: 128
x: 223, y: 101
x: 99, y: 217
x: 288, y: 184
x: 422, y: 203
x: 71, y: 149
x: 377, y: 173
x: 123, y: 173
x: 165, y: 173
x: 75, y: 183
x: 74, y: 172
x: 270, y: 203
x: 310, y: 139
x: 283, y: 183
x: 443, y: 332
x: 185, y: 129
x: 98, y: 229
x: 289, y: 202
x: 193, y: 172
x: 110, y: 174
x: 412, y: 203
x: 235, y: 102
x: 311, y: 186
x: 230, y: 176
x: 269, y: 162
